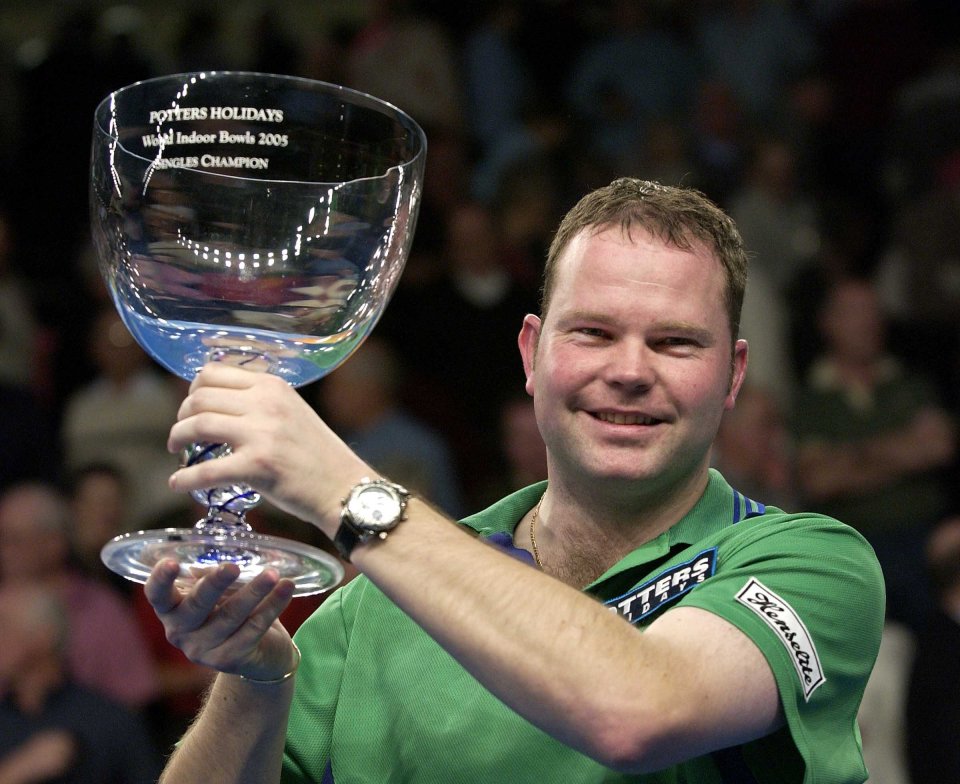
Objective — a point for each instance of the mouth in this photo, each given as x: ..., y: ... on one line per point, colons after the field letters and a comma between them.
x: 620, y: 418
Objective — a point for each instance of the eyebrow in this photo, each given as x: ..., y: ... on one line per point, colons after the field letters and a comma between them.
x: 686, y: 328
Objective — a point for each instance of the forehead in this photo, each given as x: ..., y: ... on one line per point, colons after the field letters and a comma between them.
x: 851, y: 295
x: 28, y: 509
x: 635, y: 265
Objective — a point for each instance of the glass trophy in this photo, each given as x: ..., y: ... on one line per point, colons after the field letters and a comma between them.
x: 255, y: 219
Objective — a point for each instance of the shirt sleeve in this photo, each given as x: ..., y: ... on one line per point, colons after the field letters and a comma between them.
x: 808, y: 592
x: 323, y: 641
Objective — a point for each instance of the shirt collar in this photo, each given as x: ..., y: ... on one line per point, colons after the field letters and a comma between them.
x: 824, y: 376
x: 701, y: 521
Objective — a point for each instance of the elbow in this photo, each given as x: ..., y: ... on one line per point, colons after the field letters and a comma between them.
x: 628, y: 746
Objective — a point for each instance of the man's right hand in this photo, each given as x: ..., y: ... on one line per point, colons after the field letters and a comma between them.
x: 233, y: 631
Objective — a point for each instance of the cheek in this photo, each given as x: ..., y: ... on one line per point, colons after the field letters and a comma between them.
x: 697, y: 390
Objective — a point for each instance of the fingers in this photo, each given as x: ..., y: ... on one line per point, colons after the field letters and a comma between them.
x: 214, y: 628
x: 160, y: 589
x: 208, y: 427
x: 219, y: 396
x: 198, y: 605
x: 223, y: 374
x: 166, y: 598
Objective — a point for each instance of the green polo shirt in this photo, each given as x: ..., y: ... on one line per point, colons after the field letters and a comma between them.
x: 377, y: 700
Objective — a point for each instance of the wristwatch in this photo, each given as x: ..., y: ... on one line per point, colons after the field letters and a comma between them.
x: 373, y: 508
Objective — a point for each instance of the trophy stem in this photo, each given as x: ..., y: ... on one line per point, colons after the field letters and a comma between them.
x: 220, y: 521
x: 226, y: 506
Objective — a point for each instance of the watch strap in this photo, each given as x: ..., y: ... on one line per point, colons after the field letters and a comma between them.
x: 346, y: 539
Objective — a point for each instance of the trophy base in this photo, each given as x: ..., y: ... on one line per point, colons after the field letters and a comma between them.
x: 134, y: 555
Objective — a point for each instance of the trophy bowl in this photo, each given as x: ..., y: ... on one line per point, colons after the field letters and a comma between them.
x: 256, y: 219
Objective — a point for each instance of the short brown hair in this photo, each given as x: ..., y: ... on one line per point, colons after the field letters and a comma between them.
x: 679, y: 216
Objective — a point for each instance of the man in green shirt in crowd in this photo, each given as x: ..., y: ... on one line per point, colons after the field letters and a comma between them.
x: 633, y: 618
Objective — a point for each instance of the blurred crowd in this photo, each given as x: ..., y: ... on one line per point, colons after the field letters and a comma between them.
x: 827, y: 129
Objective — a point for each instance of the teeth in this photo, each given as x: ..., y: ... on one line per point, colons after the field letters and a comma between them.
x: 625, y: 419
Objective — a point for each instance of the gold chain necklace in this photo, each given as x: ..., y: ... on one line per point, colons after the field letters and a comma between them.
x: 533, y: 537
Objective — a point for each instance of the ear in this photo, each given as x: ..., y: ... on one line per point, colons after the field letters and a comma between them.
x: 738, y: 372
x: 527, y: 341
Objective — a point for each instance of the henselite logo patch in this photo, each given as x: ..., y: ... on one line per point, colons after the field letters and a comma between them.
x: 783, y: 619
x: 655, y: 594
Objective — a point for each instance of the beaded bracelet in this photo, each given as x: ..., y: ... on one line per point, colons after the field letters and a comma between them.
x: 286, y: 676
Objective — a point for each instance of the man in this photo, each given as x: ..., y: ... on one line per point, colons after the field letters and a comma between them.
x: 362, y: 403
x: 933, y: 714
x: 105, y: 649
x: 50, y: 727
x: 447, y: 661
x: 874, y: 444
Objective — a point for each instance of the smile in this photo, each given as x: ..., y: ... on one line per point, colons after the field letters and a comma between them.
x: 625, y: 419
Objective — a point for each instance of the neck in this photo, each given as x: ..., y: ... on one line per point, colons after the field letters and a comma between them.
x: 856, y: 370
x: 33, y: 687
x: 582, y: 534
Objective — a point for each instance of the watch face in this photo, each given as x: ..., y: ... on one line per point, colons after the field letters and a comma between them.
x: 376, y: 508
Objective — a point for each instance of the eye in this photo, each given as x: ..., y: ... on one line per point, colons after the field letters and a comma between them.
x: 591, y: 334
x: 678, y: 344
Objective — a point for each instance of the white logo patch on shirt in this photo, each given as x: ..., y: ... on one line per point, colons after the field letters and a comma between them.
x: 783, y: 619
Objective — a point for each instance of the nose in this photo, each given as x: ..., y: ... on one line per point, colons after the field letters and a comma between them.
x: 630, y: 365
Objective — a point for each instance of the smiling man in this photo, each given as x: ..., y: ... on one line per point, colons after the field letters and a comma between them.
x: 634, y: 618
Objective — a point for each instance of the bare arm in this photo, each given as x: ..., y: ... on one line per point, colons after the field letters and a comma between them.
x: 46, y: 755
x: 691, y: 683
x: 829, y: 469
x: 637, y: 701
x: 239, y: 734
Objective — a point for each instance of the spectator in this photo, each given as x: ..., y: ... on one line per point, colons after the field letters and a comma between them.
x: 883, y: 712
x: 477, y: 303
x: 535, y: 140
x: 524, y: 455
x: 636, y: 72
x: 105, y: 651
x: 778, y: 219
x: 753, y: 449
x: 718, y: 140
x: 765, y: 322
x: 872, y: 439
x: 408, y: 59
x: 933, y: 711
x: 121, y: 417
x: 920, y: 271
x: 755, y: 47
x: 360, y: 401
x: 98, y: 494
x: 496, y: 76
x: 51, y: 728
x: 28, y: 435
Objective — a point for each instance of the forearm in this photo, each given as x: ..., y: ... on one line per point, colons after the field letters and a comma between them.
x: 47, y: 755
x: 926, y: 444
x: 238, y: 736
x: 528, y: 652
x: 829, y: 470
x: 554, y: 655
